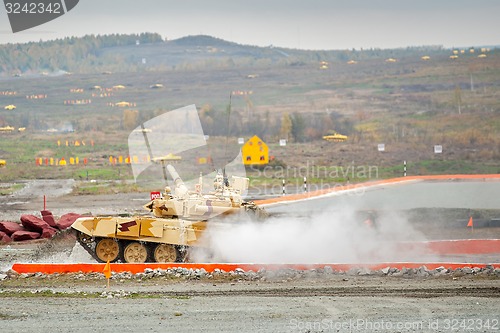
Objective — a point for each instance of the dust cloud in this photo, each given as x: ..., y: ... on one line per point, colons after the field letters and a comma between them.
x: 43, y: 254
x: 346, y: 236
x: 76, y: 254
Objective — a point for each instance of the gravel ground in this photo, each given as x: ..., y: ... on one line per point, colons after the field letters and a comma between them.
x: 324, y: 303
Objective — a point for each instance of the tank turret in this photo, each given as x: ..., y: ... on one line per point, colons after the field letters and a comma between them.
x: 225, y: 199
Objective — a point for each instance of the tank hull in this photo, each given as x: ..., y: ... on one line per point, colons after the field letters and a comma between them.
x: 149, y: 232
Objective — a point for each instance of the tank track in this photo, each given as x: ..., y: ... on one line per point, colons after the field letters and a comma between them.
x: 89, y: 246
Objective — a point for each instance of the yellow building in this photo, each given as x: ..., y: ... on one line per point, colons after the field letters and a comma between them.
x: 255, y: 151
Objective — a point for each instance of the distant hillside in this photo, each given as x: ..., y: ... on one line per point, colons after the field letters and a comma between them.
x: 148, y: 51
x: 69, y: 54
x: 203, y: 40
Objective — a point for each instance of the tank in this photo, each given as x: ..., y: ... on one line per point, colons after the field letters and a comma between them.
x: 176, y: 222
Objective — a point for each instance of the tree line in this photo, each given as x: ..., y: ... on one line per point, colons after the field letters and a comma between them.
x: 83, y: 54
x: 294, y: 127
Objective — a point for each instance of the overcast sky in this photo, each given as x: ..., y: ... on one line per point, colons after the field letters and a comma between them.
x: 311, y: 24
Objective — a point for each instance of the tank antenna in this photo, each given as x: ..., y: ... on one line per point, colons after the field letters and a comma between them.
x: 228, y: 131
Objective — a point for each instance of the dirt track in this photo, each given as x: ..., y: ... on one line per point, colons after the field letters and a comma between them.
x: 333, y: 304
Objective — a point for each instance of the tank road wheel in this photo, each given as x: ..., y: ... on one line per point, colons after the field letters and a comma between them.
x: 135, y: 252
x: 107, y: 249
x: 165, y: 253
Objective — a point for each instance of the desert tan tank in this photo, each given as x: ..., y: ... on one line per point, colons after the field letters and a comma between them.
x: 177, y: 223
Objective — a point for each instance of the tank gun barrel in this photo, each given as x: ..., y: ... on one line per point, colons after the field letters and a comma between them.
x: 180, y: 188
x: 175, y: 176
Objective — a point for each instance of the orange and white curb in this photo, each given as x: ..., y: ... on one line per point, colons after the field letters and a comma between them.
x: 139, y: 268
